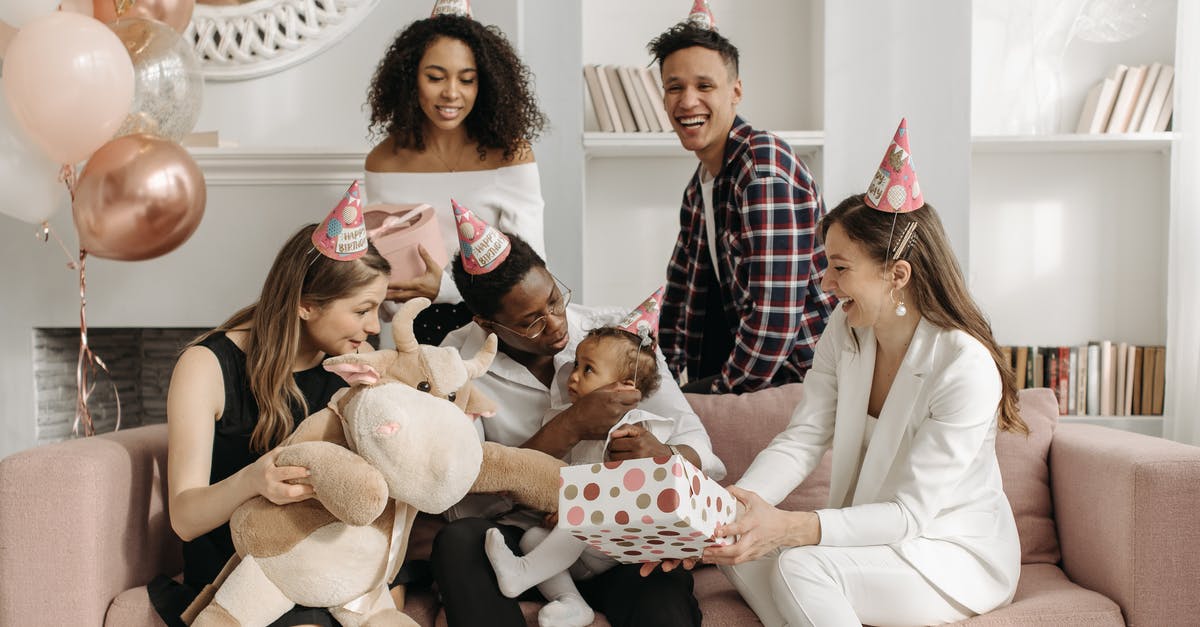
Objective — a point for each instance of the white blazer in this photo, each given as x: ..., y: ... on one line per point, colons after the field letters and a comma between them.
x: 928, y: 484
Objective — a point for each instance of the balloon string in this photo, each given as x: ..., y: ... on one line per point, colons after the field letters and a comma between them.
x: 45, y: 236
x: 87, y: 363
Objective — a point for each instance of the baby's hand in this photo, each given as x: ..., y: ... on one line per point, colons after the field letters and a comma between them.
x: 551, y: 520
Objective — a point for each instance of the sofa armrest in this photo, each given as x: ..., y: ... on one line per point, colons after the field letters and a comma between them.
x: 1128, y: 520
x: 82, y: 521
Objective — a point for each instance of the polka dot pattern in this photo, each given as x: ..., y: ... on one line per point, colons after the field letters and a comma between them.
x: 643, y: 510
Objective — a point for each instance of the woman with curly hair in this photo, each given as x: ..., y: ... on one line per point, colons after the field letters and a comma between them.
x: 456, y: 107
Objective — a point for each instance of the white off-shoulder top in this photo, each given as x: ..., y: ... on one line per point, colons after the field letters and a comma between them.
x: 508, y: 198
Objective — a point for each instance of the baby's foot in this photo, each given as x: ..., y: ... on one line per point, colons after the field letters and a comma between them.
x: 568, y: 610
x: 509, y: 568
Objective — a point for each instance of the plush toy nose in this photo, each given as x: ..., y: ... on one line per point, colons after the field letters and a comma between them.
x: 387, y: 429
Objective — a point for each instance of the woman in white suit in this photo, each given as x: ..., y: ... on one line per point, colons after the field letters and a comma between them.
x: 909, y: 388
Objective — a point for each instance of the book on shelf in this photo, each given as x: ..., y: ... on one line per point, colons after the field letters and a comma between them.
x: 1093, y: 379
x: 1108, y: 396
x: 1131, y: 86
x: 1164, y: 116
x: 621, y: 98
x: 1037, y: 374
x: 1072, y: 383
x: 1159, y: 96
x: 656, y: 97
x: 1147, y: 381
x: 596, y: 94
x: 1119, y: 378
x: 635, y: 99
x: 1022, y: 359
x: 1098, y: 106
x: 1160, y: 376
x: 1081, y: 382
x: 1135, y: 401
x: 610, y: 100
x: 1127, y: 384
x: 1062, y: 385
x: 1143, y: 99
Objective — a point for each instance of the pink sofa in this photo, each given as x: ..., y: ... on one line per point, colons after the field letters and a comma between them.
x: 1109, y: 523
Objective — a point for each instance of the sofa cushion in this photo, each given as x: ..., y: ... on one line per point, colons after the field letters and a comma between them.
x: 741, y: 425
x: 1024, y: 466
x: 1046, y: 597
x: 132, y: 607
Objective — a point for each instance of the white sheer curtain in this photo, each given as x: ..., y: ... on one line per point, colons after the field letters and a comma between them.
x: 1182, y: 402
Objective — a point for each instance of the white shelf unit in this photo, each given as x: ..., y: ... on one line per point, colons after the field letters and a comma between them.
x: 1064, y: 237
x: 1070, y: 232
x: 634, y: 182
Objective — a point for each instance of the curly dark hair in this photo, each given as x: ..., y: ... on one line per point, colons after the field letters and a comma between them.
x: 686, y: 35
x: 482, y: 292
x: 640, y: 363
x: 506, y: 114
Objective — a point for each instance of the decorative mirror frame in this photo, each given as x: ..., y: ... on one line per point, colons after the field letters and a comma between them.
x: 260, y: 37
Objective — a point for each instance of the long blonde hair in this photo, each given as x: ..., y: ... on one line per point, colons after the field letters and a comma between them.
x: 937, y: 287
x: 299, y: 274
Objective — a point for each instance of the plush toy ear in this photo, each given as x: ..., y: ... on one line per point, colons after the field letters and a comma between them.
x: 365, y: 369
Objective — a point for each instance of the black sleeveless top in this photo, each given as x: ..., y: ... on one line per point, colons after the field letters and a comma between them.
x: 204, y: 557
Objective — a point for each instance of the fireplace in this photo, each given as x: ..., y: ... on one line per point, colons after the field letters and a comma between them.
x: 140, y: 361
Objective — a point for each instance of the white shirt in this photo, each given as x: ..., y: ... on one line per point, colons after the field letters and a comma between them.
x: 508, y: 198
x: 710, y: 225
x: 522, y: 401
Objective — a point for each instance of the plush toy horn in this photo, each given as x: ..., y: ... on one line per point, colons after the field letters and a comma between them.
x: 483, y: 359
x: 402, y: 324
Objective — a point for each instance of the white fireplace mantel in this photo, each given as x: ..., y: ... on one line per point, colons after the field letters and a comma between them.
x: 279, y: 166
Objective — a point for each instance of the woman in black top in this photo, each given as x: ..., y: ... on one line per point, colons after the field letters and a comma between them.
x: 242, y: 388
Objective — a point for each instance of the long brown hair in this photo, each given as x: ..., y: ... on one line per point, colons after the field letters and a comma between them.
x: 936, y: 286
x: 299, y: 274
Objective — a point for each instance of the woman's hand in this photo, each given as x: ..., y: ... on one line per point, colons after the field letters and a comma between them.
x: 635, y: 442
x: 278, y: 484
x: 761, y: 528
x: 427, y: 285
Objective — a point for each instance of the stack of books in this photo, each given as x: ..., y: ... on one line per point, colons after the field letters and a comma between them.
x: 1132, y: 99
x: 1102, y: 378
x: 626, y: 99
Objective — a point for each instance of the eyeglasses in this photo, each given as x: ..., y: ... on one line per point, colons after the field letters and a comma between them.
x: 535, y: 328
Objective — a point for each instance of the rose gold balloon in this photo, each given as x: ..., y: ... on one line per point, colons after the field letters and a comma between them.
x: 139, y: 197
x: 175, y: 13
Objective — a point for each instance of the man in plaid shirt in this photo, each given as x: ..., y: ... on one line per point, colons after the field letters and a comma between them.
x: 743, y: 307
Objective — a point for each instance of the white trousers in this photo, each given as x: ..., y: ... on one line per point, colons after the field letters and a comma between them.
x: 839, y: 586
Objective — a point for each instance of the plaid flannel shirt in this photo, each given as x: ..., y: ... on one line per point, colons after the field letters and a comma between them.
x: 766, y: 207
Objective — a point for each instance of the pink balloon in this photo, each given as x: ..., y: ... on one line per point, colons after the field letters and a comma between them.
x: 69, y: 81
x: 139, y: 197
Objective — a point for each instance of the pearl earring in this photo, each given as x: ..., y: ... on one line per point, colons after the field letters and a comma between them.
x: 901, y: 310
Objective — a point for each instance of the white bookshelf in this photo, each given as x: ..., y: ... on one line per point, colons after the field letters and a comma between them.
x: 1089, y: 214
x: 1073, y: 142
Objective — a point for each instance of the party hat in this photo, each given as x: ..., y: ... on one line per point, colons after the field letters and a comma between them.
x: 643, y: 320
x: 895, y: 188
x: 482, y: 246
x: 343, y: 234
x: 461, y: 8
x: 702, y: 16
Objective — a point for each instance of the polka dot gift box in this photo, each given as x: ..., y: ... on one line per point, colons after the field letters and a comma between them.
x: 643, y: 510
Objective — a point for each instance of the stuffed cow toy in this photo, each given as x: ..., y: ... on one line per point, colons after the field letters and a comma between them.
x: 399, y: 441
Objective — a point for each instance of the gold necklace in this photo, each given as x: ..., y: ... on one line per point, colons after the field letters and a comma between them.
x: 452, y: 168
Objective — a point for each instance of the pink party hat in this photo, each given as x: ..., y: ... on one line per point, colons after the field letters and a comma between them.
x: 643, y: 320
x: 483, y: 247
x: 702, y: 16
x: 461, y: 8
x: 895, y: 188
x: 343, y: 234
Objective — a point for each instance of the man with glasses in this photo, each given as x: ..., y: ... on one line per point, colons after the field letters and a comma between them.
x: 538, y: 328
